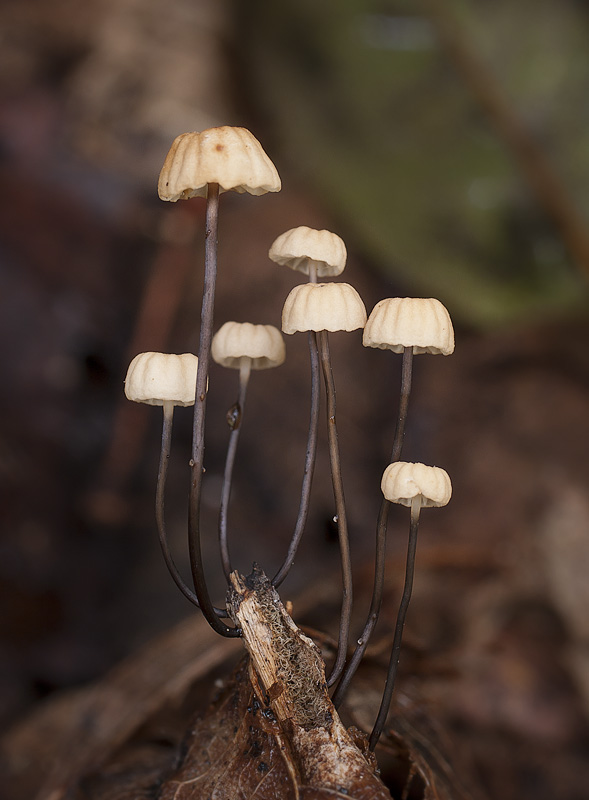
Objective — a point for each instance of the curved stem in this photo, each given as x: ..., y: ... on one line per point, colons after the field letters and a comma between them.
x: 159, y: 508
x: 381, y: 532
x: 234, y: 421
x: 309, y: 464
x: 196, y: 464
x: 402, y: 613
x: 340, y: 510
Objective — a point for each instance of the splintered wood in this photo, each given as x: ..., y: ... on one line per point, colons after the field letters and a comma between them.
x: 288, y: 677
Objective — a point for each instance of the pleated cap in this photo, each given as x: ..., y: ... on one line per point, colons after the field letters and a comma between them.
x: 421, y: 323
x: 323, y: 307
x: 299, y: 247
x: 231, y: 157
x: 153, y: 378
x: 402, y: 481
x: 263, y: 344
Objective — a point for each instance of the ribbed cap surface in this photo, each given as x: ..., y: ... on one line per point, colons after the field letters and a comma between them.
x: 231, y: 157
x: 323, y: 307
x: 300, y: 246
x: 235, y: 340
x: 153, y: 378
x: 402, y: 481
x: 421, y: 323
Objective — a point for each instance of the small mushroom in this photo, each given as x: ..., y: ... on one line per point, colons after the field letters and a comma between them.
x: 324, y: 307
x: 417, y: 486
x: 168, y: 380
x: 206, y: 164
x: 242, y: 346
x: 316, y: 253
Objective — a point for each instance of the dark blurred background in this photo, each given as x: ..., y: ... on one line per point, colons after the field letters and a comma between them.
x: 446, y: 142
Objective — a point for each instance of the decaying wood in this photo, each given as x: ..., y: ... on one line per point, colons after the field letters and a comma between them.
x: 288, y: 675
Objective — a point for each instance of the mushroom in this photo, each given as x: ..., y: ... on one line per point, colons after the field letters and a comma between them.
x: 242, y: 346
x: 417, y: 486
x: 205, y: 164
x: 315, y: 253
x: 323, y: 307
x: 168, y: 380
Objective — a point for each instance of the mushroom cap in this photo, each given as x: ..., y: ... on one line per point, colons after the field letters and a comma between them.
x: 153, y: 378
x: 402, y: 481
x: 231, y: 157
x: 299, y: 246
x: 421, y: 323
x: 235, y: 340
x: 323, y: 307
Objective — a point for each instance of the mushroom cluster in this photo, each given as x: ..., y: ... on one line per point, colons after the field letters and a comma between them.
x: 205, y: 165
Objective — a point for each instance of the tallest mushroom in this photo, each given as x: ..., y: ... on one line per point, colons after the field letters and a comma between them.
x: 206, y: 164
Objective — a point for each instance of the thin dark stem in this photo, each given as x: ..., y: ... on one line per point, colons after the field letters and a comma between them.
x: 159, y: 509
x: 381, y: 532
x: 235, y: 420
x: 340, y: 510
x: 377, y: 592
x: 406, y: 373
x: 309, y: 464
x: 196, y: 464
x: 402, y: 613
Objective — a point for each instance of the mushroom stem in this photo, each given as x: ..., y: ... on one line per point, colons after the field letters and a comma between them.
x: 399, y: 625
x: 406, y: 374
x: 340, y: 510
x: 375, y: 604
x: 234, y: 418
x: 381, y: 533
x: 309, y: 464
x: 159, y: 507
x: 196, y: 464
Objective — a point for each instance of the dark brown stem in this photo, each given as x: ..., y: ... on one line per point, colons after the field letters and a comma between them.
x: 309, y: 464
x: 402, y: 613
x: 235, y: 423
x: 381, y: 532
x: 340, y: 510
x: 159, y: 509
x: 196, y: 464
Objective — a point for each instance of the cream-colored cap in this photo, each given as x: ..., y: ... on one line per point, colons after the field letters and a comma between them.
x: 263, y: 344
x: 299, y: 247
x: 323, y: 307
x: 231, y: 157
x: 402, y: 481
x: 421, y: 323
x: 153, y: 378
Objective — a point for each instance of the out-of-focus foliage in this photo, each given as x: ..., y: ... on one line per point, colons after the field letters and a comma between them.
x: 379, y: 117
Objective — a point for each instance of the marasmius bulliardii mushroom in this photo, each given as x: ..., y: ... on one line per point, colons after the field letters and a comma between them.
x: 417, y: 486
x: 242, y: 346
x: 323, y: 307
x: 205, y: 164
x: 167, y: 380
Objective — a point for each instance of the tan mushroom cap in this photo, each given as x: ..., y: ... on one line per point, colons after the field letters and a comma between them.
x: 299, y: 247
x: 155, y: 378
x: 231, y: 157
x: 402, y: 481
x: 234, y: 341
x: 421, y: 323
x: 323, y: 307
